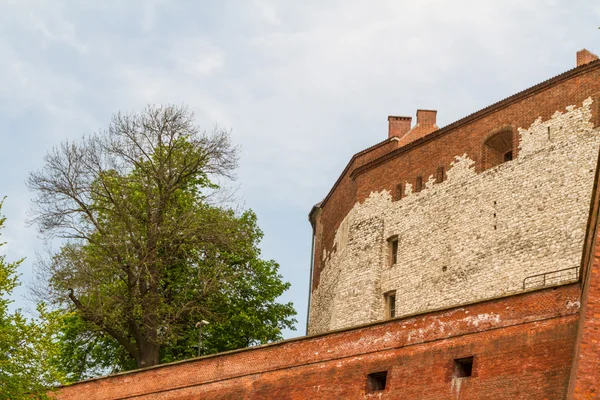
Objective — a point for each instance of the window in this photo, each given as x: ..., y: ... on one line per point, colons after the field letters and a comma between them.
x: 390, y: 304
x: 440, y: 175
x: 418, y: 184
x: 399, y: 192
x: 463, y: 367
x: 393, y: 250
x: 376, y: 381
x: 497, y: 149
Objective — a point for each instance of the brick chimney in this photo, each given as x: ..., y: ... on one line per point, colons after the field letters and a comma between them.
x: 398, y: 126
x: 425, y: 125
x: 584, y: 56
x: 426, y: 118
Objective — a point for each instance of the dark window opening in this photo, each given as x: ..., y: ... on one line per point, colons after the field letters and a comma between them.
x: 394, y: 251
x: 390, y: 305
x: 398, y: 193
x: 498, y: 149
x: 463, y: 367
x: 440, y: 175
x: 376, y: 381
x: 419, y: 184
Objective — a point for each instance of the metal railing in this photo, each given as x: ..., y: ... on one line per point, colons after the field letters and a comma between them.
x: 551, y: 278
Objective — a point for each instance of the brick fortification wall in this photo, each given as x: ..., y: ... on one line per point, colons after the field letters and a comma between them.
x: 522, y: 348
x: 471, y: 237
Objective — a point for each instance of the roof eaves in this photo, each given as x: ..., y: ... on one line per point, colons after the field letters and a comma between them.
x: 354, y: 157
x: 477, y: 115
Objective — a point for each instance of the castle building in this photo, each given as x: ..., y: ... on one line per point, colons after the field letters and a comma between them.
x: 490, y: 206
x: 460, y: 262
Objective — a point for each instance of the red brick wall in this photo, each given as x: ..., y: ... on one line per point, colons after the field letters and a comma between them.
x: 523, y: 347
x: 424, y: 157
x: 585, y: 376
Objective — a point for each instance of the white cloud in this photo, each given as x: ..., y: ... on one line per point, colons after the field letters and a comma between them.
x: 197, y: 57
x: 268, y: 11
x: 46, y: 20
x: 304, y: 85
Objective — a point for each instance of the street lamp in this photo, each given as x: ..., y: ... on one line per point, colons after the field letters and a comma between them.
x: 199, y: 326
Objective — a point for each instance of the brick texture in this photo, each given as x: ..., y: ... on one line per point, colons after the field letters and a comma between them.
x: 470, y: 238
x: 522, y: 348
x: 424, y: 156
x: 585, y: 378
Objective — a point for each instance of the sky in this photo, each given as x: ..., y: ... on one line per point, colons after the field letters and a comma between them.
x: 302, y: 85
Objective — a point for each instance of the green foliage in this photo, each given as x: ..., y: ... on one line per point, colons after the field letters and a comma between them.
x: 246, y: 311
x: 87, y: 352
x: 148, y: 253
x: 28, y: 349
x: 243, y: 313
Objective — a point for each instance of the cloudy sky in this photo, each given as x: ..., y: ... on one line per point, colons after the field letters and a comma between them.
x: 303, y: 85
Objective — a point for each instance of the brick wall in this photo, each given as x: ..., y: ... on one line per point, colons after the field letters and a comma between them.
x: 585, y: 372
x: 471, y: 237
x: 522, y: 348
x: 423, y: 157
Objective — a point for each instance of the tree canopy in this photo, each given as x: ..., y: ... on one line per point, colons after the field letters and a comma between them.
x: 28, y: 349
x: 148, y: 251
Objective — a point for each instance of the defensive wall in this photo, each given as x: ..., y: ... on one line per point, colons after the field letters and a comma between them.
x: 522, y: 348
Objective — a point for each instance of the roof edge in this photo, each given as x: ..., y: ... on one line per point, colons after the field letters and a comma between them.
x: 354, y: 157
x: 464, y: 121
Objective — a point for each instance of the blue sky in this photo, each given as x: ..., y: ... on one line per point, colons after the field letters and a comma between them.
x: 302, y: 85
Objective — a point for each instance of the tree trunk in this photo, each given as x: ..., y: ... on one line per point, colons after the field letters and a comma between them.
x: 148, y: 355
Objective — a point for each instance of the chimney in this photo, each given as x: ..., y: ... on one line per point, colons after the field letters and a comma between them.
x: 426, y: 117
x: 398, y: 126
x: 584, y: 57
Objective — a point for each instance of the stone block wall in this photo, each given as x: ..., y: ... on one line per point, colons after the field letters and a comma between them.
x: 473, y: 237
x: 383, y: 167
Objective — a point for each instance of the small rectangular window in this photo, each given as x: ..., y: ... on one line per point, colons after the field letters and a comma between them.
x: 419, y: 184
x: 393, y: 250
x: 376, y: 381
x: 508, y: 156
x: 398, y: 193
x: 440, y: 174
x: 390, y: 305
x: 463, y: 367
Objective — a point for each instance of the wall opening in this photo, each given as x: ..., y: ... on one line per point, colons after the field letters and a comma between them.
x: 498, y: 149
x: 440, y: 175
x: 393, y: 250
x: 390, y: 304
x: 463, y: 367
x: 399, y: 192
x: 376, y: 381
x: 418, y: 184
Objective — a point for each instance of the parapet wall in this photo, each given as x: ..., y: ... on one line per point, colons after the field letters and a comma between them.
x: 470, y: 238
x: 522, y: 348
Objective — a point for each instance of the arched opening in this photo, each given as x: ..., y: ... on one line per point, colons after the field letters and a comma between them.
x: 498, y: 149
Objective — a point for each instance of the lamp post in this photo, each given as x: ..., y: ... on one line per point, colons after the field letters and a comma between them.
x: 199, y: 326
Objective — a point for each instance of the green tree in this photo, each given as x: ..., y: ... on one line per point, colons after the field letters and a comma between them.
x: 148, y: 250
x: 246, y: 313
x: 28, y: 349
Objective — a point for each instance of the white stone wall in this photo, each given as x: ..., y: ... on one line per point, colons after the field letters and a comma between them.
x: 471, y: 238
